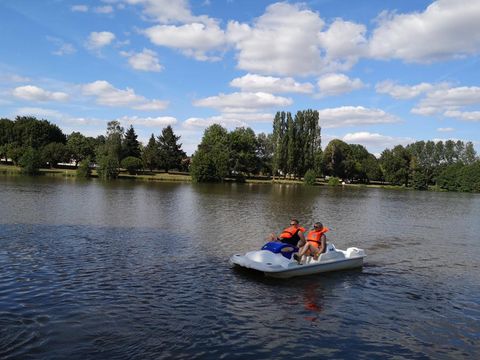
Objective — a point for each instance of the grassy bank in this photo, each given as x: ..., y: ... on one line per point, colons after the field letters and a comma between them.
x: 183, y: 177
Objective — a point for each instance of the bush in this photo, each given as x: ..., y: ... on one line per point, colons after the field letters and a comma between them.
x: 84, y: 171
x: 107, y: 167
x: 30, y: 162
x: 310, y: 177
x: 334, y: 181
x: 132, y: 164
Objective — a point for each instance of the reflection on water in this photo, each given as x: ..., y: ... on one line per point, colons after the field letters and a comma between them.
x: 140, y: 270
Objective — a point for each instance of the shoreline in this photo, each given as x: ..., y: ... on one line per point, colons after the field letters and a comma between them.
x: 12, y: 170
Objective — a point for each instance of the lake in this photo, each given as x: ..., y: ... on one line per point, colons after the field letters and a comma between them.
x: 129, y: 270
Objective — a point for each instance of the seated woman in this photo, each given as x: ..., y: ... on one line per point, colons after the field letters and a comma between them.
x: 316, y: 243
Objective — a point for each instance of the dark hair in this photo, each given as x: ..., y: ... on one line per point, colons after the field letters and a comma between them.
x: 319, y: 224
x: 293, y: 219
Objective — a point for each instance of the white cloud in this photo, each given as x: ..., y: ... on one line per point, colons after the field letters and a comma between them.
x: 195, y: 39
x: 35, y: 93
x: 448, y: 99
x: 40, y: 113
x: 337, y: 84
x: 146, y: 60
x: 107, y: 9
x: 375, y: 141
x: 13, y: 78
x: 160, y: 121
x: 166, y: 11
x: 354, y: 116
x: 473, y: 116
x: 255, y: 83
x: 288, y: 40
x: 447, y: 129
x: 243, y: 102
x: 108, y: 95
x: 63, y: 48
x: 403, y: 91
x: 79, y: 8
x: 446, y: 29
x: 98, y: 40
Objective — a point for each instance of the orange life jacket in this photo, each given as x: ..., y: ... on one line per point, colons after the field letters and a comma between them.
x: 316, y: 235
x: 291, y: 231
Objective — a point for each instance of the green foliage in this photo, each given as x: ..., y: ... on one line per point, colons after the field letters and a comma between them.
x: 131, y: 146
x: 53, y: 153
x: 107, y: 166
x: 310, y: 177
x: 210, y: 161
x: 170, y: 152
x: 79, y: 147
x: 150, y: 154
x: 396, y: 165
x: 132, y: 164
x: 334, y: 181
x: 264, y: 153
x: 84, y: 170
x: 31, y: 161
x: 337, y: 158
x: 243, y: 146
x: 460, y: 177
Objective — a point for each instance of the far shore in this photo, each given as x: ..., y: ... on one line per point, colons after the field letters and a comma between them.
x: 175, y: 176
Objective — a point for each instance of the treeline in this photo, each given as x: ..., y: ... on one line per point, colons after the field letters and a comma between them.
x: 450, y: 165
x: 32, y: 144
x: 293, y: 150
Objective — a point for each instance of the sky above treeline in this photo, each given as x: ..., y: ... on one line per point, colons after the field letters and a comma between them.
x: 380, y: 73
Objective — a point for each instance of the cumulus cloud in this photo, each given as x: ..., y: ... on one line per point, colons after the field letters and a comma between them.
x: 337, y: 84
x: 107, y: 9
x: 446, y: 29
x: 145, y: 61
x: 288, y: 40
x: 165, y: 11
x: 376, y: 142
x: 106, y: 94
x: 194, y: 39
x: 447, y: 129
x: 243, y: 102
x: 448, y: 99
x: 229, y: 120
x: 354, y: 116
x: 98, y: 40
x: 160, y: 121
x: 402, y: 91
x: 63, y: 48
x: 35, y: 93
x: 79, y: 8
x: 255, y: 83
x: 473, y: 116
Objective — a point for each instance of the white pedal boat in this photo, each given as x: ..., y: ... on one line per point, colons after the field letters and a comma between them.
x: 276, y: 260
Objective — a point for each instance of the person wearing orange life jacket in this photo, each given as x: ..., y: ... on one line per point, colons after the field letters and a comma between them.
x: 316, y: 242
x: 292, y: 235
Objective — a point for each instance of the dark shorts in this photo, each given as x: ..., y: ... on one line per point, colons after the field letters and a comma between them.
x: 292, y: 242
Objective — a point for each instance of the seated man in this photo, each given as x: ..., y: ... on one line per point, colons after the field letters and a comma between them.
x: 293, y: 235
x: 316, y: 242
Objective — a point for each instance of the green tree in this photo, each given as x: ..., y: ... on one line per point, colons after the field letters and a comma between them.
x: 28, y: 131
x: 280, y: 144
x: 53, y: 153
x: 171, y: 153
x: 31, y: 161
x: 84, y: 170
x: 243, y: 146
x: 310, y: 177
x: 79, y: 147
x: 335, y: 158
x: 107, y: 166
x: 291, y: 144
x: 264, y: 153
x: 150, y: 154
x: 210, y: 161
x: 132, y: 164
x: 396, y: 165
x: 131, y: 146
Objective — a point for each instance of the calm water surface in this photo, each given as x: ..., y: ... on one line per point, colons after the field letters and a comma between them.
x: 127, y: 270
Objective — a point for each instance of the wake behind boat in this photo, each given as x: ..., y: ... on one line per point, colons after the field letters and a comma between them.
x: 275, y: 260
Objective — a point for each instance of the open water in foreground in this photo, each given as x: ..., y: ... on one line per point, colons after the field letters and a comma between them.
x: 127, y: 270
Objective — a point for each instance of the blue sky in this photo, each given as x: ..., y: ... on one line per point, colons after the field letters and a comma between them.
x: 380, y: 73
